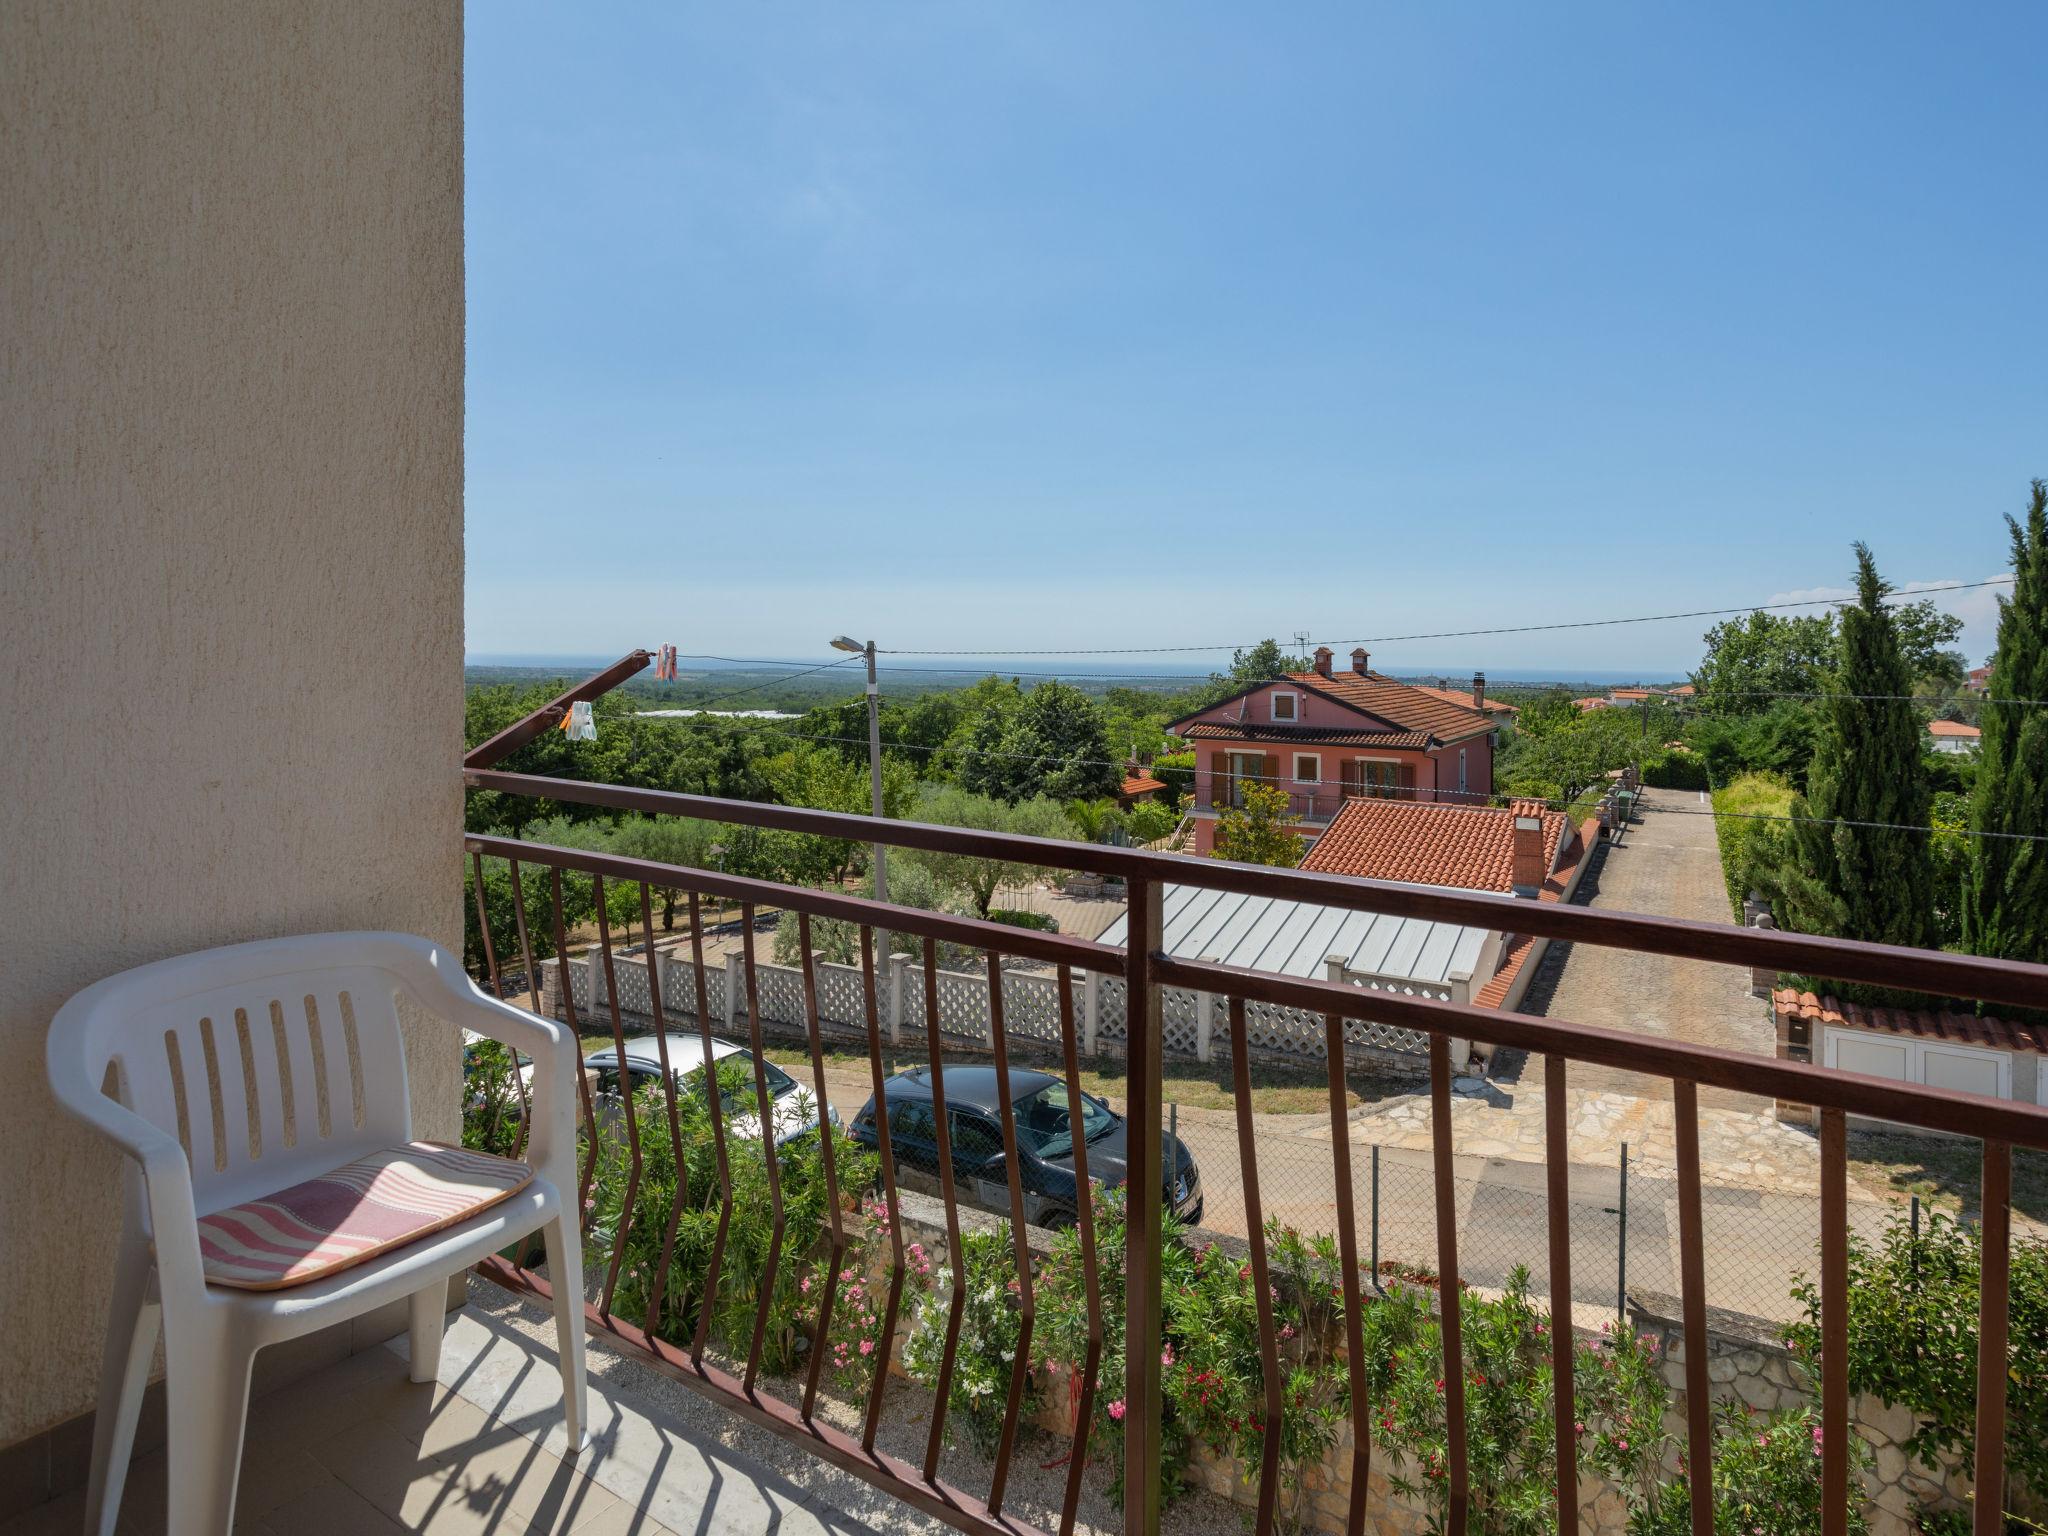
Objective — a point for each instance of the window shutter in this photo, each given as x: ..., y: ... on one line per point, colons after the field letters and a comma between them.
x: 1407, y: 781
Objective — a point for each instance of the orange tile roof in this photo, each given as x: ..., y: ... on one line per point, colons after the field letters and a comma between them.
x: 1585, y: 704
x: 1142, y: 784
x: 1424, y: 843
x: 1307, y: 735
x: 1399, y: 704
x: 1951, y: 728
x: 1463, y: 698
x: 1929, y: 1024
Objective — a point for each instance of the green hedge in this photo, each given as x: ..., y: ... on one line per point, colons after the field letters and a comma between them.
x: 1751, y: 849
x: 1665, y: 769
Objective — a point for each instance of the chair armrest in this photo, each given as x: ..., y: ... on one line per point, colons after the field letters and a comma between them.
x: 446, y: 989
x: 166, y: 1183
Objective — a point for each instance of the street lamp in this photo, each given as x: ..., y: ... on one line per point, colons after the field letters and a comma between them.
x: 842, y: 643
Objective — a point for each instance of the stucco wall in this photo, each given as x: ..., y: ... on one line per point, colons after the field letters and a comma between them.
x: 231, y: 356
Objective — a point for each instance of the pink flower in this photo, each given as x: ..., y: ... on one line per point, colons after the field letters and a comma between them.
x: 867, y: 1346
x: 1621, y: 1445
x: 1116, y: 1410
x: 1287, y: 1331
x: 1166, y: 1355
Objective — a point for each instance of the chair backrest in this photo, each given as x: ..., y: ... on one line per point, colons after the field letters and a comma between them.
x: 270, y: 1062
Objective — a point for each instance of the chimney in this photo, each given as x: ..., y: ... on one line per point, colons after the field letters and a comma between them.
x: 1528, y: 871
x: 1323, y: 660
x: 1359, y: 660
x: 1479, y: 690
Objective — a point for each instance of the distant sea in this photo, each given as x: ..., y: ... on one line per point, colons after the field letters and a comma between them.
x: 1137, y: 669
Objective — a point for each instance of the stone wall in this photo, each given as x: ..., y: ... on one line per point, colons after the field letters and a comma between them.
x: 1748, y: 1363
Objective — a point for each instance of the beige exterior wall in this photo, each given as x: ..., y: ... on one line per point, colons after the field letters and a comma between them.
x: 231, y: 358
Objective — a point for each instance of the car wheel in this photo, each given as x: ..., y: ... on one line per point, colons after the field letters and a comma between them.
x: 1057, y: 1220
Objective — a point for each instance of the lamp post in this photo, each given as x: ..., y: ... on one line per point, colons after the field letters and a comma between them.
x: 842, y: 643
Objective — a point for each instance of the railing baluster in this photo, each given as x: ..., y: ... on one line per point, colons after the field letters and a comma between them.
x: 533, y: 994
x: 1692, y: 1273
x: 1262, y: 1287
x: 1449, y: 1287
x: 1834, y: 1324
x: 764, y: 1108
x: 943, y: 1135
x: 582, y: 1073
x: 1557, y: 1170
x: 626, y: 1106
x: 483, y: 927
x: 1347, y: 1253
x: 1027, y: 1310
x: 836, y: 1253
x: 1994, y: 1324
x: 650, y: 1323
x: 1084, y: 1199
x: 878, y: 1387
x: 715, y: 1102
x: 1143, y: 1258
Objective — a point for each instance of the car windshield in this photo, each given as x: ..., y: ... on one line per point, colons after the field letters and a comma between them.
x: 736, y: 1083
x: 1045, y: 1125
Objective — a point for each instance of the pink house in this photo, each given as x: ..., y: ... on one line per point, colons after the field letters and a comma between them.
x: 1326, y: 736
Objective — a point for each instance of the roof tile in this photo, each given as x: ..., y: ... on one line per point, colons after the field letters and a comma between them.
x: 1424, y: 843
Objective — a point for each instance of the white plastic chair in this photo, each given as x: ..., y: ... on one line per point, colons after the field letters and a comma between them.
x: 306, y: 1030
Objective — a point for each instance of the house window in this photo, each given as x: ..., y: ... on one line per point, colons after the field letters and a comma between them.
x: 1308, y: 768
x: 1373, y: 778
x: 1245, y: 768
x: 1286, y: 706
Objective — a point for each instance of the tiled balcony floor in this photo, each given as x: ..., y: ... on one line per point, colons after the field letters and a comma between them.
x: 358, y: 1450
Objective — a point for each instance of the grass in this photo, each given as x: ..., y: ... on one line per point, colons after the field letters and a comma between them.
x: 1944, y: 1171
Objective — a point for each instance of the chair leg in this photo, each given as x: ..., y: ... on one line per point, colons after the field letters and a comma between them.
x: 429, y: 1321
x: 124, y: 1375
x: 207, y: 1392
x: 565, y: 1275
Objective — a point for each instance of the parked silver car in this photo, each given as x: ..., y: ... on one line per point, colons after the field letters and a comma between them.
x: 794, y: 1107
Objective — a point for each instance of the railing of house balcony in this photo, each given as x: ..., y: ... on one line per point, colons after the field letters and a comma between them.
x: 1147, y: 971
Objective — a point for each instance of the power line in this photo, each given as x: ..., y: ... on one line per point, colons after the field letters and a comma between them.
x: 740, y: 693
x: 1457, y: 634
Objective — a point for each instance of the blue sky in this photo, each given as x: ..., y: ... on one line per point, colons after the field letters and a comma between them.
x: 975, y: 325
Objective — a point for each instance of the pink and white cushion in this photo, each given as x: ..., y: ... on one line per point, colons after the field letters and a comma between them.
x: 351, y: 1214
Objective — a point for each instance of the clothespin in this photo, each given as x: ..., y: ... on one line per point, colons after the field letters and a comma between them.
x: 578, y: 722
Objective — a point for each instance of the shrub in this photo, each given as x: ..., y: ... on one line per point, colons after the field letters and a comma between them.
x: 1669, y: 768
x: 693, y: 1186
x: 990, y: 1328
x: 1149, y: 821
x: 1176, y: 770
x: 1752, y: 847
x: 1913, y: 1338
x: 1018, y: 917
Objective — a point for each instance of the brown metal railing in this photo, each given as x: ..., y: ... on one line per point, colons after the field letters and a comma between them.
x: 1147, y: 971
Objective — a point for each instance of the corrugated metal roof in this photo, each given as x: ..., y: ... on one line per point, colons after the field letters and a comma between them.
x: 1295, y: 938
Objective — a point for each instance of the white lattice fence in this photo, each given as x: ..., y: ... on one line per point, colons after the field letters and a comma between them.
x: 1180, y: 1015
x: 841, y: 998
x: 780, y: 990
x: 1112, y: 1013
x: 963, y: 1004
x: 1031, y: 1007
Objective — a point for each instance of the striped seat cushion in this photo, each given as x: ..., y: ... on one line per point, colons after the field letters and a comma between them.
x: 353, y: 1213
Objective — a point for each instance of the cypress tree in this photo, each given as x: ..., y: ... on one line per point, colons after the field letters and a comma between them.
x: 2005, y: 894
x: 1863, y: 859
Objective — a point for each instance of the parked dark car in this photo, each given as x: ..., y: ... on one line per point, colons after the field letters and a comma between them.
x: 1044, y: 1142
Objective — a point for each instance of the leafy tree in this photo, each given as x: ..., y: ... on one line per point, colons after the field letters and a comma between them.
x: 1262, y: 661
x: 1927, y: 639
x: 1053, y: 741
x: 1176, y: 770
x: 1761, y: 654
x: 1551, y: 710
x: 1777, y: 741
x: 1862, y: 867
x: 668, y: 840
x: 2005, y: 901
x: 1262, y: 832
x: 1563, y: 762
x: 1149, y: 821
x: 975, y: 881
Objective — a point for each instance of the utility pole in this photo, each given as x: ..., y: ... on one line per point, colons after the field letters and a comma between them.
x: 842, y: 643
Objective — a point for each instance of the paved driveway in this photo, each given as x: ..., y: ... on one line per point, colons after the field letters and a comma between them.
x: 1667, y: 864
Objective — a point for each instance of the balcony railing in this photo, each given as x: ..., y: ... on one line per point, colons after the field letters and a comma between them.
x: 1147, y: 973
